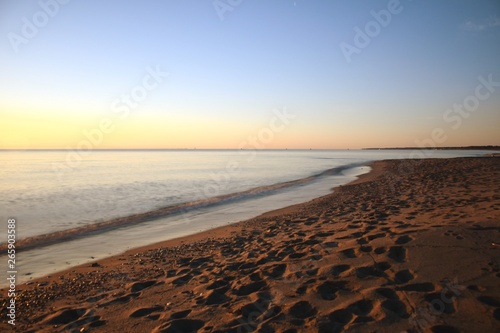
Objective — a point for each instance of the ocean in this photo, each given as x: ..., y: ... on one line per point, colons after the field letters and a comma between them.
x: 109, y: 201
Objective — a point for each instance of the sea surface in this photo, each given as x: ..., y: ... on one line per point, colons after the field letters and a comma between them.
x: 75, y: 201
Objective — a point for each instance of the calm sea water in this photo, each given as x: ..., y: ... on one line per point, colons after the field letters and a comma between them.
x: 49, y: 191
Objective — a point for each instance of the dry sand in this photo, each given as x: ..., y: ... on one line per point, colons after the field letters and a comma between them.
x: 413, y: 246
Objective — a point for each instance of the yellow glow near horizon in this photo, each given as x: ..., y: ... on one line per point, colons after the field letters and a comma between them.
x: 54, y: 129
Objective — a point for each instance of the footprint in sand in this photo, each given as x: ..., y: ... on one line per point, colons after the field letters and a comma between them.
x: 361, y: 308
x: 312, y: 271
x: 251, y: 315
x: 138, y: 286
x: 357, y: 312
x: 339, y: 269
x: 74, y: 319
x: 340, y: 318
x: 218, y: 284
x: 182, y: 280
x: 302, y: 310
x: 91, y: 321
x: 240, y: 266
x: 330, y: 244
x: 350, y: 253
x: 361, y: 241
x: 403, y: 239
x: 395, y: 309
x: 217, y: 296
x: 96, y: 298
x: 180, y: 314
x: 312, y: 241
x: 311, y: 221
x: 370, y: 228
x: 64, y: 316
x: 296, y: 255
x: 122, y: 299
x: 375, y: 236
x: 142, y: 312
x: 255, y: 277
x: 257, y: 311
x: 200, y: 262
x: 387, y: 293
x: 171, y: 273
x: 184, y: 271
x: 328, y: 290
x: 380, y: 250
x: 325, y: 234
x: 250, y: 288
x: 184, y: 261
x: 397, y: 253
x: 353, y: 235
x: 403, y: 276
x: 301, y: 290
x: 376, y: 270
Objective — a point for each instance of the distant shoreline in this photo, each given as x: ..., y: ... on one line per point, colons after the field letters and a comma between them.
x: 438, y: 148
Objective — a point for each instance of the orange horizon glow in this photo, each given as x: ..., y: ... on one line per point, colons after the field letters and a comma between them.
x: 53, y: 129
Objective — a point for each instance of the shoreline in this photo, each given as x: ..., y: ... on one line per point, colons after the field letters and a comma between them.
x: 47, y: 260
x: 488, y: 147
x: 220, y: 231
x: 267, y: 261
x: 56, y: 237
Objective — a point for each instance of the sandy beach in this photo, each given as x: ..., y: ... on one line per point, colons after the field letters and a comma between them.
x: 413, y: 246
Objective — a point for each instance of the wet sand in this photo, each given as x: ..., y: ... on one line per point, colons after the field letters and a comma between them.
x: 412, y: 246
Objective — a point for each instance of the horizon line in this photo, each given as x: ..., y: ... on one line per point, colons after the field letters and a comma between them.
x: 478, y: 147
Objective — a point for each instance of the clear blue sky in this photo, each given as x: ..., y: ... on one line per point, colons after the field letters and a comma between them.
x: 225, y: 76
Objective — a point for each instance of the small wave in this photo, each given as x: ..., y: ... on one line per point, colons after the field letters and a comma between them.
x: 115, y: 223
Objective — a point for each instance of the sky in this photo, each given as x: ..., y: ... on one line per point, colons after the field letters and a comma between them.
x: 261, y: 74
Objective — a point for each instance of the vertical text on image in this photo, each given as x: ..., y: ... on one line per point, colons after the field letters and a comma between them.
x: 11, y: 271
